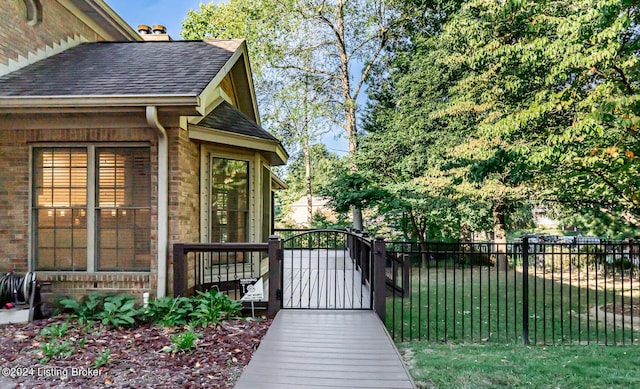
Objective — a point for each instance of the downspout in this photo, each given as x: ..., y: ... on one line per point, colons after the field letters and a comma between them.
x: 163, y: 198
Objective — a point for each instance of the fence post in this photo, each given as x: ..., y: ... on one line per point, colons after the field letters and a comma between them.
x: 379, y: 281
x: 179, y: 270
x: 275, y: 294
x: 525, y: 290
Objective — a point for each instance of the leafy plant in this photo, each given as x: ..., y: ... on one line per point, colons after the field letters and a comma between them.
x: 118, y: 311
x: 170, y: 312
x: 102, y: 359
x: 54, y: 331
x: 56, y: 348
x: 184, y: 341
x: 213, y: 306
x: 84, y: 310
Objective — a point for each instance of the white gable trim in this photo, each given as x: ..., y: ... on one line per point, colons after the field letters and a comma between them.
x: 48, y: 51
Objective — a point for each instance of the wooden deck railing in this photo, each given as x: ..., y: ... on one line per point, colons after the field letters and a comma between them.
x: 206, y: 266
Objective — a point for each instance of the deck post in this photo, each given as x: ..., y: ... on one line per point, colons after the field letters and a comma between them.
x: 379, y: 282
x: 179, y: 271
x: 275, y: 269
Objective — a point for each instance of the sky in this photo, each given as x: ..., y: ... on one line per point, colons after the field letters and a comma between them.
x: 170, y: 14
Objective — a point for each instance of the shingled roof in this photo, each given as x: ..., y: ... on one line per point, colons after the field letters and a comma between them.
x: 178, y: 68
x: 226, y: 118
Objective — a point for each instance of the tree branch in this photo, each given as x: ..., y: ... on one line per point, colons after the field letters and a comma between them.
x: 307, y: 70
x: 613, y: 186
x: 334, y: 121
x: 372, y: 60
x: 624, y: 79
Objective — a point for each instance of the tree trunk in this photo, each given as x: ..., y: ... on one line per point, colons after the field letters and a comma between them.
x: 306, y: 150
x: 307, y: 176
x: 420, y: 231
x: 500, y: 235
x: 349, y: 101
x: 350, y: 114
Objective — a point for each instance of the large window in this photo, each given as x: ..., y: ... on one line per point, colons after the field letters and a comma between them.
x: 229, y: 200
x: 86, y: 195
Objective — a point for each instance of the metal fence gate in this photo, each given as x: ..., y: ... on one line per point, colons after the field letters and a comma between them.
x: 326, y: 269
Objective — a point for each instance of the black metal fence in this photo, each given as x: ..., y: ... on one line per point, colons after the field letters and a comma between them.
x: 546, y: 293
x: 326, y: 269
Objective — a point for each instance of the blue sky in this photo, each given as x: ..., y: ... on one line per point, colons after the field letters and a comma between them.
x: 169, y: 13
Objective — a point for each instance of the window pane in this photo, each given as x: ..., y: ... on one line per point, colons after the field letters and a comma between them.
x: 59, y: 201
x: 124, y: 177
x: 124, y: 198
x: 45, y: 259
x: 229, y: 200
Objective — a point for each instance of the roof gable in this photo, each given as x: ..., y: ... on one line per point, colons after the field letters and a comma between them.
x: 227, y: 118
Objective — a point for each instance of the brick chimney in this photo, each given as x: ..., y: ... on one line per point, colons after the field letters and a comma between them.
x: 157, y: 33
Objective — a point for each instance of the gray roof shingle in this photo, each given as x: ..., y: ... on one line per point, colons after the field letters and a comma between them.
x: 123, y: 69
x: 226, y: 118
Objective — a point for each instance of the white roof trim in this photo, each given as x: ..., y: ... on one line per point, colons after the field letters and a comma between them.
x: 48, y: 51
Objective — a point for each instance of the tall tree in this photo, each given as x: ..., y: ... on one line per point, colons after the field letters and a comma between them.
x: 336, y: 42
x: 414, y: 153
x: 556, y: 85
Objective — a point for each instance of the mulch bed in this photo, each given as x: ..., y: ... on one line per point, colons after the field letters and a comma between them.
x: 140, y: 358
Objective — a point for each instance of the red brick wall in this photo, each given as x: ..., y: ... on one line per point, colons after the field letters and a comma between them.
x: 184, y: 197
x: 15, y: 208
x: 17, y: 37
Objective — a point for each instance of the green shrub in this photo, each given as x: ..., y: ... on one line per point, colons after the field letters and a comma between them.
x: 86, y: 309
x: 202, y: 310
x: 170, y: 312
x: 184, y: 341
x: 211, y: 307
x: 115, y: 311
x: 118, y: 311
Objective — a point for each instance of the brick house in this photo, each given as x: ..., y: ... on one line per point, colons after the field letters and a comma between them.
x: 114, y: 147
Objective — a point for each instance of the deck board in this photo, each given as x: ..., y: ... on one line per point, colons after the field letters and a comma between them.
x: 326, y: 349
x: 322, y: 279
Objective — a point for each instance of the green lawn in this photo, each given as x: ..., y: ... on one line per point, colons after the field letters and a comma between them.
x: 490, y: 365
x: 484, y: 304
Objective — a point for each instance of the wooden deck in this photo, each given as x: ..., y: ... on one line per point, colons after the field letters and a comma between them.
x: 322, y: 279
x: 326, y: 349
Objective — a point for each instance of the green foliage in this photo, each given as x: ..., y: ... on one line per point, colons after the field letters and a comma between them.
x: 186, y: 341
x: 212, y: 306
x: 169, y: 311
x: 353, y: 189
x: 85, y: 310
x: 56, y: 348
x: 115, y: 311
x: 53, y: 346
x: 118, y: 311
x: 202, y: 310
x: 53, y: 331
x: 508, y: 104
x: 556, y: 84
x: 102, y: 359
